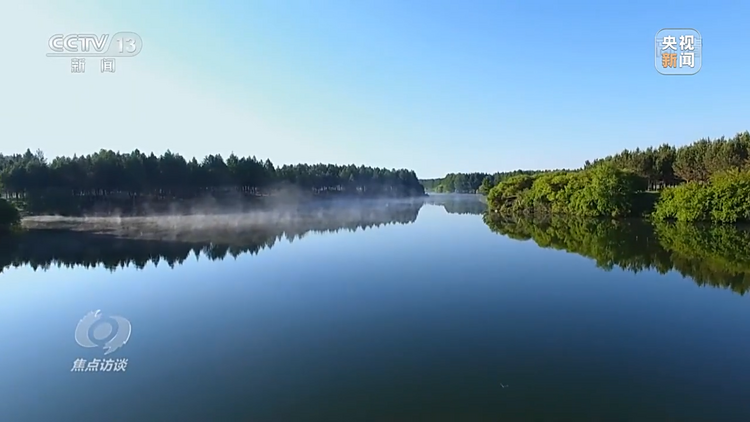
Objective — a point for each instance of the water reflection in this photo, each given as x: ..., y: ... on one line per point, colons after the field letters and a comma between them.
x: 459, y: 203
x: 117, y: 243
x: 717, y: 256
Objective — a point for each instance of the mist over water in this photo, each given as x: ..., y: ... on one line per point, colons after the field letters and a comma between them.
x: 214, y: 220
x: 117, y: 242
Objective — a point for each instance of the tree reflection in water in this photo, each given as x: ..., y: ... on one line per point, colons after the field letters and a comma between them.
x: 117, y: 243
x: 717, y: 256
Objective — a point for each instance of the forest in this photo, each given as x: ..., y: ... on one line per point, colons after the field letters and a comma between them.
x: 708, y: 180
x: 108, y: 176
x: 472, y: 182
x: 660, y: 167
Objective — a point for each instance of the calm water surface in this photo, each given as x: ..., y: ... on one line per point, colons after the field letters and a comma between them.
x: 427, y: 313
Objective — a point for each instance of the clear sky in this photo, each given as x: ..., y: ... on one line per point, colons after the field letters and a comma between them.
x: 434, y: 86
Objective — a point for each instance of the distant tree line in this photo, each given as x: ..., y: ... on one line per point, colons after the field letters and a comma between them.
x: 708, y: 180
x: 713, y: 255
x: 110, y: 174
x: 669, y: 166
x: 472, y: 182
x: 660, y: 167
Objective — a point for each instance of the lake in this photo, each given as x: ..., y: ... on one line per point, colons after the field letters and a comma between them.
x: 381, y: 311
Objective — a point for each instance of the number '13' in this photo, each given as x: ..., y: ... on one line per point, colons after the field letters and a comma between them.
x: 127, y: 43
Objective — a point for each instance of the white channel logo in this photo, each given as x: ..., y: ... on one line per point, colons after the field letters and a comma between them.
x: 108, y: 332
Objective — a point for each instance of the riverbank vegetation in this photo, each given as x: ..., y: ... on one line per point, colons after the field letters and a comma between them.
x: 601, y: 191
x: 708, y: 180
x: 471, y: 182
x: 87, y: 181
x: 725, y: 198
x: 713, y: 255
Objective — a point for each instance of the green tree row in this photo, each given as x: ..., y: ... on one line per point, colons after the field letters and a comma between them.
x: 170, y: 175
x: 471, y: 182
x: 705, y: 181
x: 660, y: 167
x: 725, y: 198
x: 603, y: 190
x: 697, y: 162
x: 714, y: 255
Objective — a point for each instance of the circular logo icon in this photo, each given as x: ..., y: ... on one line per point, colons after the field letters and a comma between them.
x: 98, y: 330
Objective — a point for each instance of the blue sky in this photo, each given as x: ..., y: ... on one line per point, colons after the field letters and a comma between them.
x: 434, y: 86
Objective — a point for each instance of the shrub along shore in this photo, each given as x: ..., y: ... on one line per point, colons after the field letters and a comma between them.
x: 706, y: 181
